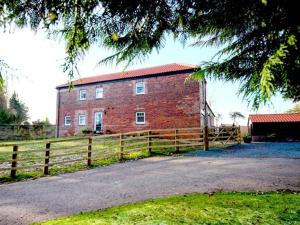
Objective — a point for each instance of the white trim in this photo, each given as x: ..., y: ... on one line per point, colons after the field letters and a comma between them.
x: 136, y: 88
x: 79, y: 121
x: 99, y: 90
x: 68, y: 124
x: 136, y: 118
x: 95, y: 119
x: 81, y: 91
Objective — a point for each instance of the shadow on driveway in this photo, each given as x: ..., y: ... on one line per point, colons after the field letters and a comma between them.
x: 254, y: 150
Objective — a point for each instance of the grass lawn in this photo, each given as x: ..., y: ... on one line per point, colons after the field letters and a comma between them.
x: 220, y: 208
x: 103, y: 153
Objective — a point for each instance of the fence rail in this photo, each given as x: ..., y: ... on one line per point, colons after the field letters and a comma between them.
x: 44, y: 155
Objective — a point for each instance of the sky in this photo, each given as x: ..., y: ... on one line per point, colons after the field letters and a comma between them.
x: 36, y: 61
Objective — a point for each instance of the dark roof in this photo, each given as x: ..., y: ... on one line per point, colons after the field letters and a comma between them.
x: 275, y: 118
x: 161, y: 70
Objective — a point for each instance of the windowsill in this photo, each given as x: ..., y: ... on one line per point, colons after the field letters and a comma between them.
x: 82, y: 99
x: 140, y: 123
x: 139, y: 93
x: 81, y: 124
x: 67, y: 125
x: 99, y: 98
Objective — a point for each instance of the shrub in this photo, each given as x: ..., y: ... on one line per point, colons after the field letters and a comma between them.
x: 86, y: 131
x: 247, y: 138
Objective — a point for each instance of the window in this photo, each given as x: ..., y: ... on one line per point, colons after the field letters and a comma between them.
x: 67, y: 120
x: 82, y: 120
x: 140, y: 88
x: 140, y: 118
x: 82, y: 94
x: 99, y: 92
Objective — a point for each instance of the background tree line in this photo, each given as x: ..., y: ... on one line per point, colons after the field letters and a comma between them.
x: 12, y: 110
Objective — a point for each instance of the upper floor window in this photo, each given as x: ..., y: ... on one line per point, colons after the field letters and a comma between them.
x: 140, y: 88
x: 82, y: 94
x: 140, y: 117
x: 67, y: 120
x: 82, y: 120
x: 99, y: 92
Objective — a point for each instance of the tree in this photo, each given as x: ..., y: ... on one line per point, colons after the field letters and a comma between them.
x: 4, y: 68
x: 6, y: 117
x: 218, y: 118
x: 18, y: 109
x: 235, y: 116
x: 260, y: 40
x: 44, y: 122
x: 295, y: 109
x: 16, y: 113
x: 3, y: 101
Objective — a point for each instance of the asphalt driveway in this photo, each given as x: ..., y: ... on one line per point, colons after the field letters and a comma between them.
x: 230, y: 170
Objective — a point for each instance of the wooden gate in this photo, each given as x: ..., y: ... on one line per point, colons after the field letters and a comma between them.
x: 225, y: 135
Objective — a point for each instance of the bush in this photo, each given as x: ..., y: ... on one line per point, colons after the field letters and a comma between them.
x: 86, y: 131
x: 247, y: 138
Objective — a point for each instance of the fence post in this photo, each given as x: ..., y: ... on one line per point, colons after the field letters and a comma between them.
x: 47, y: 156
x: 176, y: 142
x: 206, y: 143
x: 121, y: 147
x: 89, y: 153
x: 14, y: 161
x: 201, y: 136
x: 239, y: 135
x: 149, y: 142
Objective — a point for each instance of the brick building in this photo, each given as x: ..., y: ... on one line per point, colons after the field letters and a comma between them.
x: 150, y: 98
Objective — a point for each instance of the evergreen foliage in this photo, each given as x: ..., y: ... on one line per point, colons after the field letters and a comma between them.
x: 259, y: 40
x: 16, y: 113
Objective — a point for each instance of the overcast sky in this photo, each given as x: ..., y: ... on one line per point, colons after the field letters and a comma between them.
x: 38, y: 59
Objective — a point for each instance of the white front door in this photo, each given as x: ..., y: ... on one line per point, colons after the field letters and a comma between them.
x: 98, y: 122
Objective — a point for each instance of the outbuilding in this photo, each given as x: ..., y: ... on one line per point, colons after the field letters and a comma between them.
x: 274, y: 127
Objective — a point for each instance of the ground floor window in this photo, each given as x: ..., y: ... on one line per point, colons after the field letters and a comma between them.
x: 67, y: 120
x: 82, y: 120
x: 140, y: 117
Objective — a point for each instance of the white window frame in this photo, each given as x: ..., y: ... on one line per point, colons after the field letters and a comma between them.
x: 136, y: 118
x: 99, y: 90
x: 68, y: 124
x: 79, y: 120
x: 80, y: 94
x: 137, y: 86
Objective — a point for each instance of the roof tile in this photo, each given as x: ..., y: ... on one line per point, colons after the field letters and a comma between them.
x: 132, y: 73
x: 275, y: 118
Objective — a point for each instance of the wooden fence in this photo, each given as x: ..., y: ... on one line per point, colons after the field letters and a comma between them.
x: 42, y: 155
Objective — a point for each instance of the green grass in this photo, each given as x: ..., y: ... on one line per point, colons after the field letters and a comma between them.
x: 220, y: 208
x: 99, y: 149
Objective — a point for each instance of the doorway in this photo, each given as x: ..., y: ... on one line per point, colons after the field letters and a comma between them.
x: 98, y: 124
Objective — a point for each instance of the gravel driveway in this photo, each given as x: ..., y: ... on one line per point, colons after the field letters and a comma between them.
x: 49, y: 197
x: 255, y: 150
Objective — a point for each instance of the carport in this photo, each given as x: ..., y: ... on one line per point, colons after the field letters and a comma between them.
x: 274, y: 127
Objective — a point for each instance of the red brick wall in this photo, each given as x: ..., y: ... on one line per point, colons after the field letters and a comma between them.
x: 169, y: 102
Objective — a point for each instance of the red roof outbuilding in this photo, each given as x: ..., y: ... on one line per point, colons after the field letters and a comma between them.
x: 275, y: 118
x: 174, y: 67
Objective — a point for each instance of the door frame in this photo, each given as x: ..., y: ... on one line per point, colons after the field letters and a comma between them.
x: 94, y: 124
